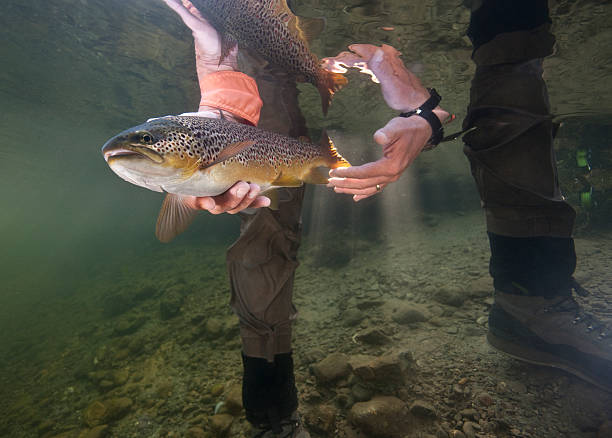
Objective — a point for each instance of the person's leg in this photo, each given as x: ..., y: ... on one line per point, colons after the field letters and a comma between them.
x: 261, y: 266
x: 529, y: 224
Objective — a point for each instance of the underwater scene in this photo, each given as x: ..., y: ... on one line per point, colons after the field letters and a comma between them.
x: 468, y: 294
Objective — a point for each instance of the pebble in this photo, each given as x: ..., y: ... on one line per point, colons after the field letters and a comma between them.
x: 482, y: 320
x: 484, y: 399
x: 422, y: 408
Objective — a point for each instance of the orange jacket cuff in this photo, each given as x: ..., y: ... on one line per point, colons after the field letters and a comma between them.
x: 234, y: 92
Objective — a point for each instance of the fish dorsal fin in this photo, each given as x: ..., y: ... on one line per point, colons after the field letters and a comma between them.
x: 231, y: 150
x: 174, y: 217
x: 307, y: 28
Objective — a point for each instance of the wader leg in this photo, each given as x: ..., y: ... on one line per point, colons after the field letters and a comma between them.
x: 261, y: 265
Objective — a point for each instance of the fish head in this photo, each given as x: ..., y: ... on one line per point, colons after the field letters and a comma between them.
x: 154, y: 155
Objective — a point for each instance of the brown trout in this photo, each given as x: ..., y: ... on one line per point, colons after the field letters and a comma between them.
x: 198, y: 156
x: 270, y: 29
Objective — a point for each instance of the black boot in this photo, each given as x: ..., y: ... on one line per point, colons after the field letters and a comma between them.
x: 535, y: 317
x: 270, y: 399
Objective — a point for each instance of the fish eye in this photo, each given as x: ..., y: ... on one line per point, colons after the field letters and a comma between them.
x: 147, y: 138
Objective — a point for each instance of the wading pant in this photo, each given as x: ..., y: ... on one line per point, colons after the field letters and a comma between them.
x: 261, y: 265
x: 262, y: 261
x: 511, y: 148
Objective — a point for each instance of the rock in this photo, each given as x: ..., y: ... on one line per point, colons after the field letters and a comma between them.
x: 214, y: 327
x: 382, y: 416
x: 333, y: 367
x: 372, y: 336
x: 470, y: 413
x: 368, y: 304
x: 605, y: 430
x: 170, y: 305
x: 195, y: 432
x: 360, y: 392
x: 352, y: 317
x: 96, y: 432
x: 128, y: 325
x: 482, y: 320
x: 451, y: 297
x: 233, y: 400
x: 102, y: 412
x: 220, y: 424
x: 217, y: 389
x: 322, y: 418
x: 484, y: 399
x: 408, y: 314
x: 456, y: 434
x: 384, y: 369
x: 45, y: 426
x: 422, y: 408
x: 469, y: 429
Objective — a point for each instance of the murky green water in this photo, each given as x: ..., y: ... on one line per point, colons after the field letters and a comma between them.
x: 84, y: 282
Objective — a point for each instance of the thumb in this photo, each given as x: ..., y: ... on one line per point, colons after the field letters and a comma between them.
x: 390, y: 132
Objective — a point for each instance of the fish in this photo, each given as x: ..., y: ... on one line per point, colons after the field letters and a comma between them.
x: 271, y: 30
x: 199, y: 156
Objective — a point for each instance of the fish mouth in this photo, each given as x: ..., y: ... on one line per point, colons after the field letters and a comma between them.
x: 117, y: 151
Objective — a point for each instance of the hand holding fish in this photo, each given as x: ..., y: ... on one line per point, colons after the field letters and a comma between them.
x: 208, y: 42
x: 240, y: 196
x: 402, y: 138
x: 208, y: 47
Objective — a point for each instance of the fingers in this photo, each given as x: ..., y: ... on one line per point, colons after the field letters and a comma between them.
x: 240, y: 196
x: 365, y: 51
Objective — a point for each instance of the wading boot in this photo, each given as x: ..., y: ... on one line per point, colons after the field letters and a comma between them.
x: 291, y: 427
x: 535, y: 317
x: 270, y: 398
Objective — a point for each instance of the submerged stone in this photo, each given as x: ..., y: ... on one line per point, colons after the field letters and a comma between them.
x: 333, y: 367
x: 381, y: 417
x: 221, y: 424
x: 102, y: 412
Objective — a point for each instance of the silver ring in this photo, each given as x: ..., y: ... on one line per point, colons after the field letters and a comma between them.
x: 378, y: 187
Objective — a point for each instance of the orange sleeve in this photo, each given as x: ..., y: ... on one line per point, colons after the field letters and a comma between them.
x: 232, y: 91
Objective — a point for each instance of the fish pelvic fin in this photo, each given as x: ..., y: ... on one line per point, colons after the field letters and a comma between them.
x: 174, y: 217
x: 327, y: 84
x: 285, y: 180
x: 272, y: 195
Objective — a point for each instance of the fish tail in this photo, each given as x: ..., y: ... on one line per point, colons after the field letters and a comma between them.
x: 331, y: 160
x: 332, y: 157
x: 328, y: 83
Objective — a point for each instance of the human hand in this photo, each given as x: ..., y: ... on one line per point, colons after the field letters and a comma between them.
x: 240, y: 196
x: 209, y: 44
x: 402, y: 140
x: 401, y: 89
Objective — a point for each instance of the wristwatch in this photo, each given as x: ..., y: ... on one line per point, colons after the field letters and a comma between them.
x: 426, y: 111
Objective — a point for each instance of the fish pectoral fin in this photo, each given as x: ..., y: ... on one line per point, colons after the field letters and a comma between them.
x: 271, y: 194
x: 230, y: 151
x: 174, y: 217
x: 284, y: 180
x: 317, y: 175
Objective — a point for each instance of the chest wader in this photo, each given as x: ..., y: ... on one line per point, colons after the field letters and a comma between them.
x: 261, y: 265
x: 529, y: 223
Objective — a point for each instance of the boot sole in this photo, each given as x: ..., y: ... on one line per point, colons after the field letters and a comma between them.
x: 542, y: 358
